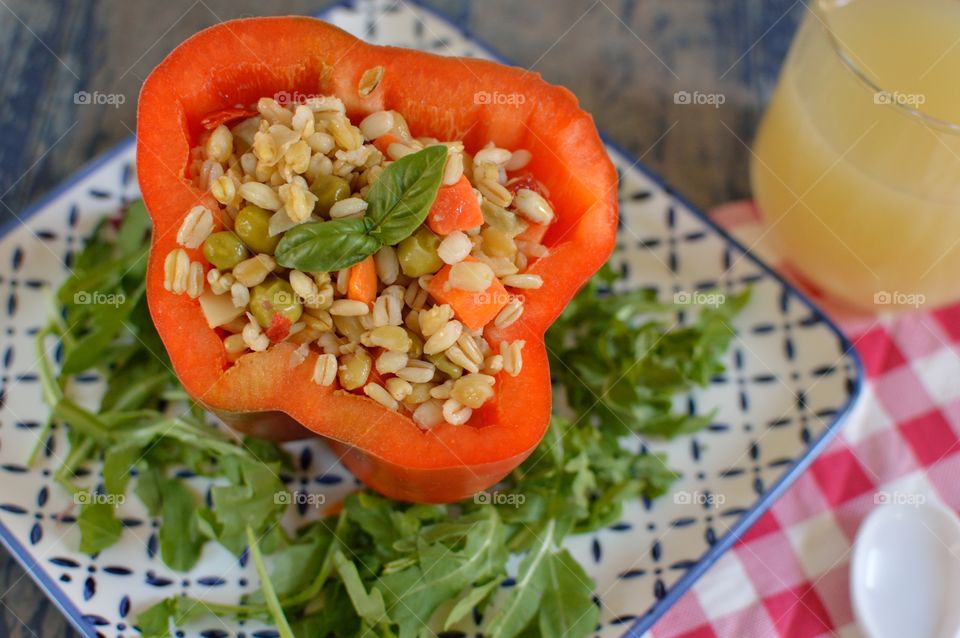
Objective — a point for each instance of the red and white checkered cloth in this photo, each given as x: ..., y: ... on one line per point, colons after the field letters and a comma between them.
x: 789, y: 575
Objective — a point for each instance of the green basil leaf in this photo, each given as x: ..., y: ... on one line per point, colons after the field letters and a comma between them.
x: 400, y: 199
x: 326, y: 246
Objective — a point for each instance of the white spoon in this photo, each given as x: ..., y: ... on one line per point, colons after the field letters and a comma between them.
x: 905, y: 573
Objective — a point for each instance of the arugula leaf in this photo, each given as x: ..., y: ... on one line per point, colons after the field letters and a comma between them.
x: 567, y: 607
x: 137, y: 382
x: 326, y: 246
x: 250, y: 501
x: 333, y: 615
x: 179, y: 535
x: 296, y: 565
x: 471, y: 597
x: 117, y: 462
x: 384, y: 523
x: 89, y: 348
x: 134, y: 229
x: 82, y: 422
x: 99, y: 527
x: 413, y: 594
x: 400, y: 199
x: 155, y: 621
x: 368, y: 605
x: 621, y: 362
x: 273, y: 603
x: 103, y: 274
x: 510, y: 619
x: 148, y: 490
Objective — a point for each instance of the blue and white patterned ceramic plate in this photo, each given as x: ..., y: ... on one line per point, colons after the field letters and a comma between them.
x: 791, y: 378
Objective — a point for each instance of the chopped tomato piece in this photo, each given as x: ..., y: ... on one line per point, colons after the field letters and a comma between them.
x: 527, y: 181
x: 279, y: 328
x: 215, y: 119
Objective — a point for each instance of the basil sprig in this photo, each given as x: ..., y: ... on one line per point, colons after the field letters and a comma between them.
x: 396, y: 206
x: 326, y: 246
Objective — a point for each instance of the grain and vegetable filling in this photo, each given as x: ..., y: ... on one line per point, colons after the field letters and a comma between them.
x: 389, y: 255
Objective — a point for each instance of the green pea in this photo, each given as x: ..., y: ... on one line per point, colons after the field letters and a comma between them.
x: 500, y: 218
x: 329, y: 190
x: 416, y: 345
x: 224, y: 250
x: 418, y: 253
x: 252, y: 225
x: 274, y: 296
x: 445, y: 366
x: 355, y: 370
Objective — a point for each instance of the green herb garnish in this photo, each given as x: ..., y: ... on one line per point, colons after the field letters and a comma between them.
x: 326, y: 246
x: 400, y: 199
x: 397, y: 204
x: 620, y: 362
x: 143, y: 421
x: 378, y: 567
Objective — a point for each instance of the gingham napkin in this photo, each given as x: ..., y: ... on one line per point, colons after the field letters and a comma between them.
x: 789, y: 575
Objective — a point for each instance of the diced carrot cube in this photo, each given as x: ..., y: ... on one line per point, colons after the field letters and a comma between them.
x: 455, y: 208
x: 474, y: 309
x: 384, y: 141
x: 362, y: 283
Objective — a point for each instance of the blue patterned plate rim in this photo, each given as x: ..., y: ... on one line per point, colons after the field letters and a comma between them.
x: 643, y: 624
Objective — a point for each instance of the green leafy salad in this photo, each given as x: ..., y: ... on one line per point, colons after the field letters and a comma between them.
x: 376, y: 567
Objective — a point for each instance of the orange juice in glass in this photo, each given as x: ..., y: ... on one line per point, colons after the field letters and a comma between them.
x: 856, y: 164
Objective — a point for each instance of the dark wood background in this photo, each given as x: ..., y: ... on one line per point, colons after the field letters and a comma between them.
x: 625, y: 59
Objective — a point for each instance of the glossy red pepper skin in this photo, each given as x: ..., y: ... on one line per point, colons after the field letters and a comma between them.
x: 230, y: 66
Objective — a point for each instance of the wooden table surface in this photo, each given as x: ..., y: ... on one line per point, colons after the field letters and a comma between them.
x: 625, y: 59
